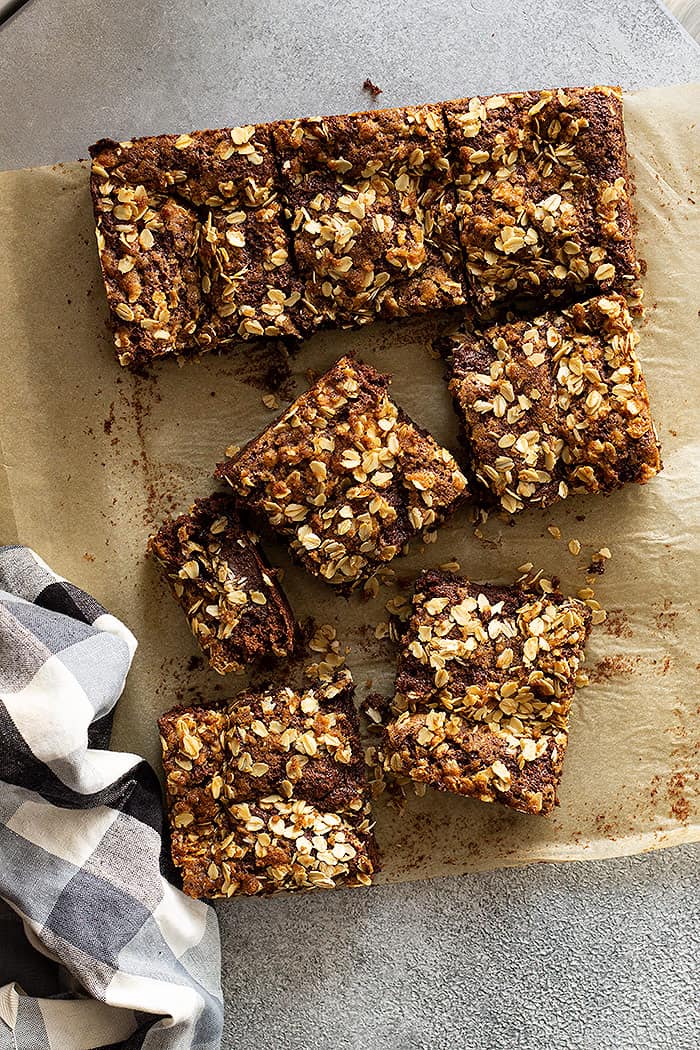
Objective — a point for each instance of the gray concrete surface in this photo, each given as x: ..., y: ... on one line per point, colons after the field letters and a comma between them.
x: 589, y: 956
x: 73, y: 71
x: 597, y: 956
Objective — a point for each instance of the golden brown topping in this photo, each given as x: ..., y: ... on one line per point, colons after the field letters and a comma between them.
x: 269, y: 792
x: 544, y: 201
x: 195, y: 231
x: 555, y: 405
x: 236, y: 610
x: 372, y: 213
x: 346, y: 476
x: 483, y: 690
x: 191, y: 242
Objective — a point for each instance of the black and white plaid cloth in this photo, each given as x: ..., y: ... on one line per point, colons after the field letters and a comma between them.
x: 97, y: 948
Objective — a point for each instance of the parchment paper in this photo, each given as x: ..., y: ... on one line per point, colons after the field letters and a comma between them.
x: 93, y: 457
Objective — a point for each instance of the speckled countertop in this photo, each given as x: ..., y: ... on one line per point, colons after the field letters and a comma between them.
x: 602, y: 955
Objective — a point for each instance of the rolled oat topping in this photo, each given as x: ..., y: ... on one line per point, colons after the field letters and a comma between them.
x: 346, y: 476
x: 235, y: 607
x: 371, y: 205
x: 268, y: 792
x: 483, y: 690
x: 275, y: 229
x: 192, y: 247
x: 543, y: 193
x: 556, y: 405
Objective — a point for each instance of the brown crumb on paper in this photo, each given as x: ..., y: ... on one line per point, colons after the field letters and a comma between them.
x: 677, y: 790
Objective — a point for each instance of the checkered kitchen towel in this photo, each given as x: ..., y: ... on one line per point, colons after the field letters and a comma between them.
x: 82, y: 861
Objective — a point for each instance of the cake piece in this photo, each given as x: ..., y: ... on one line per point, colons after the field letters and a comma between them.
x: 346, y: 476
x: 371, y: 205
x: 193, y: 250
x: 555, y: 405
x: 236, y: 609
x: 268, y: 792
x: 147, y: 244
x: 483, y: 689
x: 543, y: 193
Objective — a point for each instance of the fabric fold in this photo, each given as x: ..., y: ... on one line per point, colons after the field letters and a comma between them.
x: 83, y: 862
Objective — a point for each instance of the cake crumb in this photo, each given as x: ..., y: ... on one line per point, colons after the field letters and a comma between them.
x: 372, y: 88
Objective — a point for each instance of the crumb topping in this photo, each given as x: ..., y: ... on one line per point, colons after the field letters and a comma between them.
x: 556, y: 405
x: 544, y: 199
x: 372, y: 213
x: 234, y: 606
x: 346, y: 476
x: 269, y: 792
x: 271, y: 230
x: 483, y: 690
x: 233, y: 277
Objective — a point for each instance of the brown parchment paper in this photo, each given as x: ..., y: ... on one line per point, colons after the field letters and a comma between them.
x: 93, y: 457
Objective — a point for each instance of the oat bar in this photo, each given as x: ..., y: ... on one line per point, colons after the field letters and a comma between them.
x: 371, y: 206
x: 268, y: 792
x: 555, y: 405
x: 484, y: 686
x: 345, y: 476
x: 543, y: 193
x: 193, y: 250
x: 235, y: 607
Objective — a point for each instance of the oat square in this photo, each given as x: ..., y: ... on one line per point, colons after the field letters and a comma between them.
x: 345, y: 476
x: 372, y: 211
x: 555, y: 405
x: 193, y: 249
x: 543, y: 193
x: 268, y: 792
x: 484, y: 685
x: 215, y: 570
